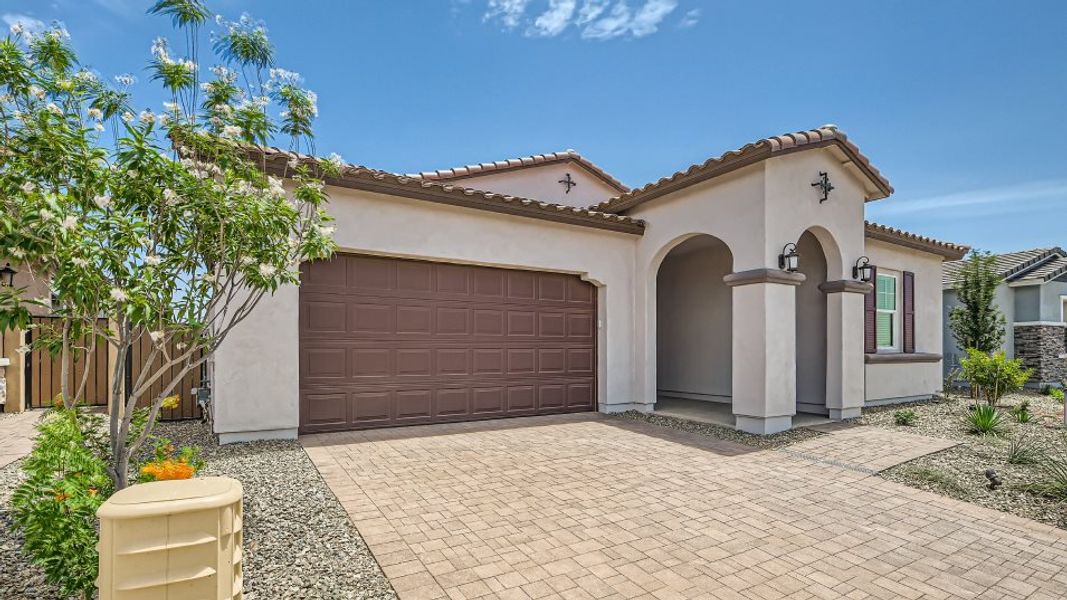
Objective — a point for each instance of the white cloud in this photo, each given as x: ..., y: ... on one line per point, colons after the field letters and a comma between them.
x: 509, y: 12
x: 553, y: 21
x: 992, y: 200
x: 597, y: 19
x: 690, y: 19
x: 28, y: 23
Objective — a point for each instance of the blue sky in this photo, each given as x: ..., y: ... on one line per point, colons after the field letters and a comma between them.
x: 959, y: 102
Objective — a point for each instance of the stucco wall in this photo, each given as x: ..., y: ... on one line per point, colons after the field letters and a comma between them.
x: 1028, y: 303
x: 256, y: 385
x: 694, y: 349
x: 543, y: 183
x: 1052, y: 300
x: 895, y: 381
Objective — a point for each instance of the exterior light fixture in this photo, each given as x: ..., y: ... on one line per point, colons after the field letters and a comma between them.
x: 7, y: 276
x: 863, y: 270
x: 789, y: 260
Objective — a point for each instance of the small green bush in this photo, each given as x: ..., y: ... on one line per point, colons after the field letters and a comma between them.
x: 1056, y: 394
x: 55, y: 507
x: 993, y: 375
x: 985, y: 420
x: 1022, y: 452
x: 1021, y: 412
x: 905, y: 417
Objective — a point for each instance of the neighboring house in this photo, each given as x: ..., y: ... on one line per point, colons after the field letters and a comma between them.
x: 543, y: 285
x: 1033, y: 298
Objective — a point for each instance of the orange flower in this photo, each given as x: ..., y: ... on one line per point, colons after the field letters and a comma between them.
x: 93, y: 492
x: 60, y: 497
x: 168, y: 469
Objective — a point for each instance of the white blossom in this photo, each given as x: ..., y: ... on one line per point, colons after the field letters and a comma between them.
x: 79, y: 262
x: 127, y: 117
x: 102, y: 201
x: 231, y: 131
x: 181, y: 346
x: 147, y: 117
x: 118, y: 294
x: 70, y: 222
x: 17, y: 252
x: 170, y: 196
x: 156, y: 336
x: 267, y: 270
x: 46, y: 215
x: 37, y: 92
x: 153, y: 260
x: 54, y: 108
x: 28, y: 187
x: 336, y: 160
x: 95, y: 113
x: 125, y: 79
x: 99, y: 127
x: 170, y: 106
x: 159, y: 50
x: 17, y: 28
x: 209, y: 277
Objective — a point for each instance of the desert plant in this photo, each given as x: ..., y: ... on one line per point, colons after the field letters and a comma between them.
x: 994, y: 375
x: 984, y: 419
x: 1023, y: 452
x: 55, y: 507
x: 905, y: 417
x: 1021, y: 412
x: 1056, y: 394
x: 169, y: 462
x: 1053, y: 468
x: 977, y: 322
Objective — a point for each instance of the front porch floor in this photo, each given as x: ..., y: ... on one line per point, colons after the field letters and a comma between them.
x: 719, y: 413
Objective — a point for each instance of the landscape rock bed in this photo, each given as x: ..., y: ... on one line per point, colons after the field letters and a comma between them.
x: 959, y: 472
x: 299, y: 542
x: 776, y: 440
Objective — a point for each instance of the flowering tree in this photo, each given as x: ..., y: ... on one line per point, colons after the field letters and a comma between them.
x: 162, y: 223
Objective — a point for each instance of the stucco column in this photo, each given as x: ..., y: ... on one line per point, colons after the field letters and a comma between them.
x: 764, y: 349
x: 14, y: 371
x: 844, y: 347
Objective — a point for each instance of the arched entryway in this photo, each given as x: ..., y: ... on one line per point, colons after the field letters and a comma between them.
x: 811, y: 327
x: 694, y: 327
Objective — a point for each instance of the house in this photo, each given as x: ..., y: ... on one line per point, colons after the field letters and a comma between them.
x: 1033, y: 298
x: 544, y: 285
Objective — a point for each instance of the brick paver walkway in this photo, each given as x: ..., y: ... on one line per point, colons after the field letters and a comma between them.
x: 16, y: 435
x: 866, y: 449
x: 595, y: 507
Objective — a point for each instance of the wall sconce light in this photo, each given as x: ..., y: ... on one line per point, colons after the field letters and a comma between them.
x: 7, y: 276
x: 789, y: 260
x: 863, y: 270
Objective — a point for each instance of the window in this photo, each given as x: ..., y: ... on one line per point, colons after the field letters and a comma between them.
x: 886, y: 317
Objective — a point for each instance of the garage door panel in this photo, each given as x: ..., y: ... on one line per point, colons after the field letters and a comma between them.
x: 389, y: 341
x: 453, y: 402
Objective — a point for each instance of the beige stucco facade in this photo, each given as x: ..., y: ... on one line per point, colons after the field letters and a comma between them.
x: 754, y: 343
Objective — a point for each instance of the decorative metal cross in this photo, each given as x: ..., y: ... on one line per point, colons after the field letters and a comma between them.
x: 568, y: 183
x: 824, y: 186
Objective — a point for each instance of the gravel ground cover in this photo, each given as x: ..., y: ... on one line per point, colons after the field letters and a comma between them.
x: 776, y: 440
x: 959, y: 472
x: 299, y: 542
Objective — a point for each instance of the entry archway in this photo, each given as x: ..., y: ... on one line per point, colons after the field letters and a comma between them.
x: 694, y: 326
x: 811, y: 355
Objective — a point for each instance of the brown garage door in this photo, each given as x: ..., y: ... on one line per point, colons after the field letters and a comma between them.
x: 387, y: 342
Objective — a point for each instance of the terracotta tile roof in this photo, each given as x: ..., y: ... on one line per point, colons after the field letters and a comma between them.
x: 374, y: 180
x: 748, y: 154
x: 900, y: 237
x: 521, y: 163
x: 1038, y: 264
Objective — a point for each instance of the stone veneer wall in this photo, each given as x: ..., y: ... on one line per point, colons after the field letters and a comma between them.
x: 1042, y: 348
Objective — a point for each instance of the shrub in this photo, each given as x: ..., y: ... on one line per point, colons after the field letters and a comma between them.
x: 1022, y: 452
x: 1056, y: 394
x: 985, y: 420
x: 55, y: 507
x: 993, y: 375
x: 169, y: 463
x: 1021, y: 412
x: 905, y: 417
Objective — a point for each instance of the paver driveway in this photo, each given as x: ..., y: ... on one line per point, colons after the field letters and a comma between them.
x: 597, y: 507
